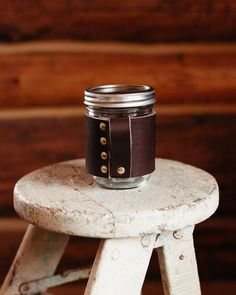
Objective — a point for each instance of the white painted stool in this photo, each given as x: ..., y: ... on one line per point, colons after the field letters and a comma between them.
x: 62, y: 200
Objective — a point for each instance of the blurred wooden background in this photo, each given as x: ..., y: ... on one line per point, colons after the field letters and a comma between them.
x: 50, y: 51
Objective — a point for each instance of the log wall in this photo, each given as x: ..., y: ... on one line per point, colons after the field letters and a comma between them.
x: 187, y: 53
x: 136, y: 21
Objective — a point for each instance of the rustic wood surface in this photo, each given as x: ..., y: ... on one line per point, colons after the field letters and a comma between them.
x: 37, y: 257
x: 214, y: 242
x: 57, y: 74
x: 142, y: 21
x: 120, y: 266
x: 178, y: 263
x: 64, y: 198
x: 118, y: 262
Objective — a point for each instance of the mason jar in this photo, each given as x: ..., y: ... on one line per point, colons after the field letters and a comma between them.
x: 120, y: 134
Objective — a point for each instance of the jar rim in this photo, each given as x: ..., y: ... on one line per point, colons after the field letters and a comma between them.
x: 119, y: 96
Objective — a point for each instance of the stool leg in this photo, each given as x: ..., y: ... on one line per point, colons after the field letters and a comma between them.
x: 178, y: 264
x: 120, y: 266
x: 38, y: 256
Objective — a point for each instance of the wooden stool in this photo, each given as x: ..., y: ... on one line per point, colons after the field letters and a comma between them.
x: 62, y: 200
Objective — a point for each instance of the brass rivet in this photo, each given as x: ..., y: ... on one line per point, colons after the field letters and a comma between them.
x: 103, y: 141
x: 178, y: 234
x: 24, y: 287
x: 104, y: 155
x: 120, y: 170
x: 181, y: 257
x: 102, y: 126
x: 104, y: 169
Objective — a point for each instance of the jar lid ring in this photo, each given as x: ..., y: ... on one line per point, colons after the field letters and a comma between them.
x: 119, y: 96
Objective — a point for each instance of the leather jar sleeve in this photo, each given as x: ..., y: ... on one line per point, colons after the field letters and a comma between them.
x: 120, y: 147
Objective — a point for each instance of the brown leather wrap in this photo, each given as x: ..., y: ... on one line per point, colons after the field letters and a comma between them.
x: 130, y: 144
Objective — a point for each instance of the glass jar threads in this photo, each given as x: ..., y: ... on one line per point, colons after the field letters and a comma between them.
x: 120, y: 134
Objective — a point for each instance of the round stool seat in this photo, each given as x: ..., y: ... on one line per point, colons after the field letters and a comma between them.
x: 64, y: 198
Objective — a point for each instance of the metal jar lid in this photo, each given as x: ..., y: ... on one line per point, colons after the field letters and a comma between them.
x: 119, y: 96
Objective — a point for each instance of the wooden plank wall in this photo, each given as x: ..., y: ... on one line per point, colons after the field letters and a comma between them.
x: 133, y: 20
x: 185, y: 49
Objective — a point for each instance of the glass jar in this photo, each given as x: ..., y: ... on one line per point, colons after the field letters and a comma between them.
x: 120, y: 134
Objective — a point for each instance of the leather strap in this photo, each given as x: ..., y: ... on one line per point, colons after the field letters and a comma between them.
x: 120, y: 147
x: 143, y: 145
x: 130, y: 146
